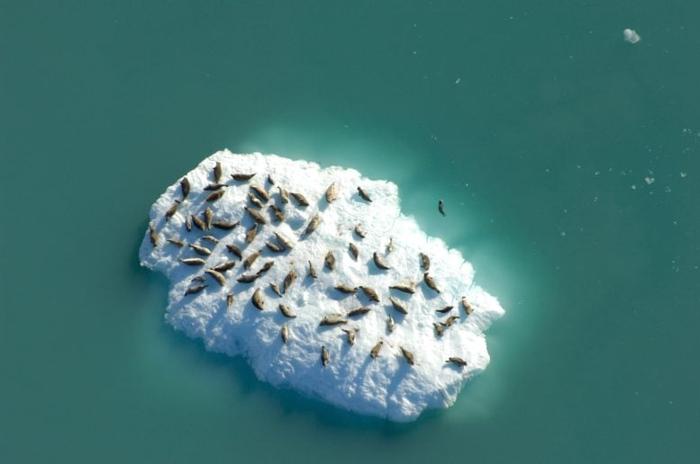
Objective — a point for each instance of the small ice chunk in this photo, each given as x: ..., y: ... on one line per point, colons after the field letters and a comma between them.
x: 269, y: 310
x: 631, y: 36
x: 649, y: 180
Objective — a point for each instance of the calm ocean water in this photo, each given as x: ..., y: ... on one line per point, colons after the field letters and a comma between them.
x: 568, y: 160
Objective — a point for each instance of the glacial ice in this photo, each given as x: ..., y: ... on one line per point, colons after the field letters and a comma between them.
x: 385, y: 386
x: 631, y: 36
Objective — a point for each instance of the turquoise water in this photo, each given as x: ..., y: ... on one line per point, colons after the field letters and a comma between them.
x: 533, y: 123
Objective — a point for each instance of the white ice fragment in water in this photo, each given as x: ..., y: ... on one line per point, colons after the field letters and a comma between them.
x: 631, y: 36
x: 459, y: 79
x: 684, y: 174
x: 223, y: 315
x: 649, y: 180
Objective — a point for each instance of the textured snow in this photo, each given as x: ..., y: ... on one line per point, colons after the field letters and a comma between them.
x: 386, y: 386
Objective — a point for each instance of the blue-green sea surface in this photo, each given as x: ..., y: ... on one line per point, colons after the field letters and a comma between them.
x: 568, y: 160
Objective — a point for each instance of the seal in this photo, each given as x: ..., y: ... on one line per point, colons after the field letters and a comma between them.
x: 200, y: 250
x: 364, y: 195
x: 404, y: 287
x: 233, y: 249
x: 171, y: 211
x: 152, y: 235
x: 286, y: 311
x: 389, y: 246
x: 219, y: 277
x: 185, y: 187
x: 218, y: 170
x: 201, y: 225
x: 430, y: 282
x: 424, y: 261
x: 451, y: 320
x: 261, y: 193
x: 257, y: 203
x: 468, y: 308
x: 247, y: 278
x: 332, y: 193
x: 210, y: 238
x: 225, y: 225
x: 358, y: 311
x: 258, y: 300
x: 370, y: 293
x: 348, y: 290
x: 325, y: 358
x: 284, y: 241
x: 390, y: 324
x: 354, y: 252
x: 312, y: 271
x: 251, y: 233
x: 278, y: 213
x: 300, y: 199
x: 275, y: 289
x: 225, y: 266
x: 329, y: 261
x: 439, y: 328
x: 242, y: 177
x: 208, y: 217
x: 177, y: 242
x: 333, y: 319
x: 374, y: 352
x: 255, y: 214
x: 313, y: 225
x: 215, y: 195
x: 289, y: 280
x: 398, y: 305
x: 351, y: 334
x: 250, y: 259
x: 273, y: 247
x: 379, y: 261
x: 457, y: 361
x: 408, y: 356
x: 195, y: 289
x: 264, y: 268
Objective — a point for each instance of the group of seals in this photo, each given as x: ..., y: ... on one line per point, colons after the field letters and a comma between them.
x: 260, y: 199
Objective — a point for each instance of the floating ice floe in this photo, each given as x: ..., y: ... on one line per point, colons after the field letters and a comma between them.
x: 631, y: 36
x: 317, y: 278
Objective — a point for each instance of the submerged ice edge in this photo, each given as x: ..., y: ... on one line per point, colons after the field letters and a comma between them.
x: 319, y: 360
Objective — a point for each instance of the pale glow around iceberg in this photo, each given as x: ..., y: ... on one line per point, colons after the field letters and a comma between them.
x: 222, y: 313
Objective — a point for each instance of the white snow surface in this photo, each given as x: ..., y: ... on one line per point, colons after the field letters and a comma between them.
x: 386, y: 386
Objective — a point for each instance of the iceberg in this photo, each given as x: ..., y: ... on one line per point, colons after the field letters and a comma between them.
x: 631, y: 36
x: 316, y: 277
